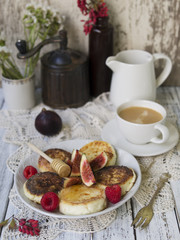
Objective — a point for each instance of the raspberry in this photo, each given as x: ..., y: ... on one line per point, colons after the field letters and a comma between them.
x: 29, y: 171
x: 49, y: 201
x: 113, y: 193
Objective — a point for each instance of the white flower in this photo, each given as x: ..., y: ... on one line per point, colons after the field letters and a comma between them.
x: 4, y: 49
x: 48, y: 22
x: 55, y: 13
x: 62, y: 20
x: 28, y: 5
x: 28, y: 14
x: 34, y: 19
x: 48, y: 8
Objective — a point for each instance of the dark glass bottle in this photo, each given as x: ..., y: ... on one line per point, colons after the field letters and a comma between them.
x: 100, y: 47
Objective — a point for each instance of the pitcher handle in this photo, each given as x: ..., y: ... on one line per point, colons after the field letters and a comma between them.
x: 167, y: 69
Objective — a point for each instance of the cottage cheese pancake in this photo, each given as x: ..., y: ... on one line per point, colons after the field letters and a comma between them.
x: 123, y: 176
x: 45, y: 166
x: 81, y: 200
x: 93, y: 149
x: 40, y: 183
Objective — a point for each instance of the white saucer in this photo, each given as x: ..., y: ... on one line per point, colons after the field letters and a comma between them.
x: 111, y: 134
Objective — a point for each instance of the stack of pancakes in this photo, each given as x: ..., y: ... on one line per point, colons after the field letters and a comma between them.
x: 79, y: 199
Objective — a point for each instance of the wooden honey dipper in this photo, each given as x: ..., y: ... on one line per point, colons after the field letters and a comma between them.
x: 57, y: 164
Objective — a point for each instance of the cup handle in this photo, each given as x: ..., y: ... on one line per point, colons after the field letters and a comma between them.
x: 167, y: 69
x: 165, y: 134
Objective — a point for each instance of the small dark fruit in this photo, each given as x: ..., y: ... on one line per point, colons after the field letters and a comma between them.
x: 48, y: 122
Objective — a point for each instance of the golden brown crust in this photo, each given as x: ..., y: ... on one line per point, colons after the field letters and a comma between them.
x: 78, y: 194
x: 93, y: 149
x: 80, y: 200
x: 113, y: 175
x: 41, y: 183
x: 45, y: 166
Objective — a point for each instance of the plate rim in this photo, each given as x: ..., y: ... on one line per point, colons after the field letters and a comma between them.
x: 106, y: 210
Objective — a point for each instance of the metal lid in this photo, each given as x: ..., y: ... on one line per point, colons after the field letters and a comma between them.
x: 63, y: 57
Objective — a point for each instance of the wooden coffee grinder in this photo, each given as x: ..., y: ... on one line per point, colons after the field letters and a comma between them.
x: 64, y: 73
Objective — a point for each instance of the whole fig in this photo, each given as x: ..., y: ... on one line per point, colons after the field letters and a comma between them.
x: 48, y: 123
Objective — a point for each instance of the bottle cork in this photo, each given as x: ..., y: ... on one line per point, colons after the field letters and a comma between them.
x: 61, y: 167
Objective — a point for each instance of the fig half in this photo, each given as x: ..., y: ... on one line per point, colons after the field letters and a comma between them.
x: 75, y: 160
x: 99, y: 161
x: 87, y: 175
x: 48, y: 123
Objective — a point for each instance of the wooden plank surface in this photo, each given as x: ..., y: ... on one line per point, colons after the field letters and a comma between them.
x: 164, y: 226
x: 121, y: 227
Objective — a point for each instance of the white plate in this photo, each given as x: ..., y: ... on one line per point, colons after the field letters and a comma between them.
x: 124, y: 158
x: 111, y: 134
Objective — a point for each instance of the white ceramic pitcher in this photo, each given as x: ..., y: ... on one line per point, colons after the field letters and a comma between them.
x: 134, y: 75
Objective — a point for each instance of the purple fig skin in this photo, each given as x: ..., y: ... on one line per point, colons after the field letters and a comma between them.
x: 48, y: 123
x: 75, y: 159
x: 99, y: 161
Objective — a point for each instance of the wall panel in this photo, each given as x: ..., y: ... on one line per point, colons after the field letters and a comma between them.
x: 138, y: 24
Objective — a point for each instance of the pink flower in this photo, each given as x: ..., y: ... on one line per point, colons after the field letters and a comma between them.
x: 88, y: 26
x: 94, y: 9
x: 102, y: 10
x: 92, y: 16
x: 82, y: 5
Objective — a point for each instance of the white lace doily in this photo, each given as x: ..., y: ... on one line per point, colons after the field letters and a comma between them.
x: 87, y: 122
x: 51, y: 227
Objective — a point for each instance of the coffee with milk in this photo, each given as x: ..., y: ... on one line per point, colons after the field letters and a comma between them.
x: 140, y: 115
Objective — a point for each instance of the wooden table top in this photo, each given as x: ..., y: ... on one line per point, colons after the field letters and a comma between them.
x: 164, y: 226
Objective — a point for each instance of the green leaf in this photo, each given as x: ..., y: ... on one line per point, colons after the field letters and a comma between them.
x: 12, y: 224
x: 2, y: 43
x: 4, y: 223
x: 30, y: 8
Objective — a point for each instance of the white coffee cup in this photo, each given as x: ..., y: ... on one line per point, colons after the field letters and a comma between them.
x: 140, y: 133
